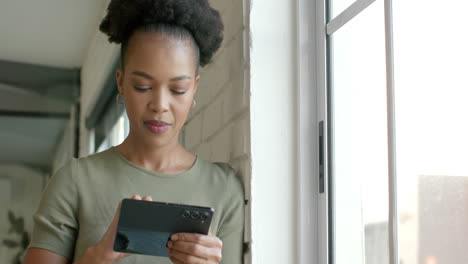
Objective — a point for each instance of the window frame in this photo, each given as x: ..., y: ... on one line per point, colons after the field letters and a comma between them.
x: 326, y: 27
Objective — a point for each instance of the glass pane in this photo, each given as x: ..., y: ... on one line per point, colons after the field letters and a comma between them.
x: 432, y: 143
x: 338, y: 6
x: 360, y: 178
x: 117, y: 134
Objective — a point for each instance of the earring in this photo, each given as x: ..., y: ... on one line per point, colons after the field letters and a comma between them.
x: 117, y: 99
x: 194, y: 103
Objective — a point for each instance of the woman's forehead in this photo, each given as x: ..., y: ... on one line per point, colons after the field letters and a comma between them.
x: 152, y: 51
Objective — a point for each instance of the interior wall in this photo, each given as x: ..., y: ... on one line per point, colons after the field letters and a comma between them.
x: 275, y: 108
x: 20, y: 191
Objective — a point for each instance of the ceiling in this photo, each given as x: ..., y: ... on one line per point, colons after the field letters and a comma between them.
x: 48, y: 32
x: 42, y: 48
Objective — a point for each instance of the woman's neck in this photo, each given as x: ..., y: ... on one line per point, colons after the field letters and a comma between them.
x: 171, y: 158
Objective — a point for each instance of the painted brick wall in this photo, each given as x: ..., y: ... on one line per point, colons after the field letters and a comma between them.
x: 218, y: 128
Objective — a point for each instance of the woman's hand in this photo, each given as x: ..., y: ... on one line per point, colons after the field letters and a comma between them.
x: 103, y: 252
x: 186, y: 248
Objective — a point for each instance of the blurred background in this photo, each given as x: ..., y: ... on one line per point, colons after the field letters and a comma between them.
x: 42, y: 49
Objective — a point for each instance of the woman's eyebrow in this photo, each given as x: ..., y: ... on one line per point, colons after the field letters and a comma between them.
x: 147, y: 76
x: 179, y: 78
x: 143, y: 74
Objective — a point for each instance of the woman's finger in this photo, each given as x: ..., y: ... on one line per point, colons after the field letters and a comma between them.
x: 147, y: 198
x: 105, y: 246
x: 192, y: 249
x: 136, y: 197
x: 184, y: 258
x: 204, y: 240
x: 175, y: 261
x: 111, y: 230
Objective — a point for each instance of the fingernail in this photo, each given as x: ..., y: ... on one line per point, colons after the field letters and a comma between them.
x: 169, y: 244
x: 174, y: 237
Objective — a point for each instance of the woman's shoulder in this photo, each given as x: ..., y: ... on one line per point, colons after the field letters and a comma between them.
x: 99, y: 157
x: 92, y: 161
x: 219, y: 169
x: 222, y: 173
x: 95, y: 162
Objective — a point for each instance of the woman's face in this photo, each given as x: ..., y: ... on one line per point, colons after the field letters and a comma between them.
x: 158, y: 83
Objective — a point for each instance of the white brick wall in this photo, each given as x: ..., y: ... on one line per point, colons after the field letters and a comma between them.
x: 218, y: 129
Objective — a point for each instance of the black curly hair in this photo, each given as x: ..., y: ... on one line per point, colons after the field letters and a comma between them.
x: 194, y: 20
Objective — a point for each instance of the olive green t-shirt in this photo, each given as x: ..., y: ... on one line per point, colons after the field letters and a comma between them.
x: 81, y: 199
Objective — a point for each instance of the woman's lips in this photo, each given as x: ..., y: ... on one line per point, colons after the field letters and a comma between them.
x: 157, y: 126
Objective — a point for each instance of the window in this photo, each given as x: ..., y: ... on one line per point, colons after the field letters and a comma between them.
x: 359, y: 194
x: 116, y: 134
x: 429, y: 69
x: 431, y: 58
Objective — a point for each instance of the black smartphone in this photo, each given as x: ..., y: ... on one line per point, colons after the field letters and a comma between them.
x: 145, y: 227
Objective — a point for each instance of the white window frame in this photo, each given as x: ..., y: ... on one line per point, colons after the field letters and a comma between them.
x: 324, y: 245
x: 325, y: 28
x: 283, y: 132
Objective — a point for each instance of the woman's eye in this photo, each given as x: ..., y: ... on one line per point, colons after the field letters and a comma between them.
x: 140, y: 89
x: 178, y: 92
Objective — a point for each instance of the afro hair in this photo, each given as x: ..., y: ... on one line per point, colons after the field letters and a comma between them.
x: 196, y: 16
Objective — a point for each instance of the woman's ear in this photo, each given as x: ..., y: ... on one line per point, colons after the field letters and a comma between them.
x: 119, y: 78
x: 197, y: 81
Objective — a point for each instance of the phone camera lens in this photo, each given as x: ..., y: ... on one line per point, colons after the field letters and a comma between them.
x: 195, y: 215
x: 204, y: 216
x: 185, y: 214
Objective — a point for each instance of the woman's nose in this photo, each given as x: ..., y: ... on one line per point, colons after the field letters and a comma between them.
x: 159, y: 102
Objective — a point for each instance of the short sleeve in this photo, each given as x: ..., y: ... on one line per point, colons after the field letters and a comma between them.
x: 231, y: 229
x: 55, y: 221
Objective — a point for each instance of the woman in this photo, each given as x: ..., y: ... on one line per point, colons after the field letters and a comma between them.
x: 163, y: 44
